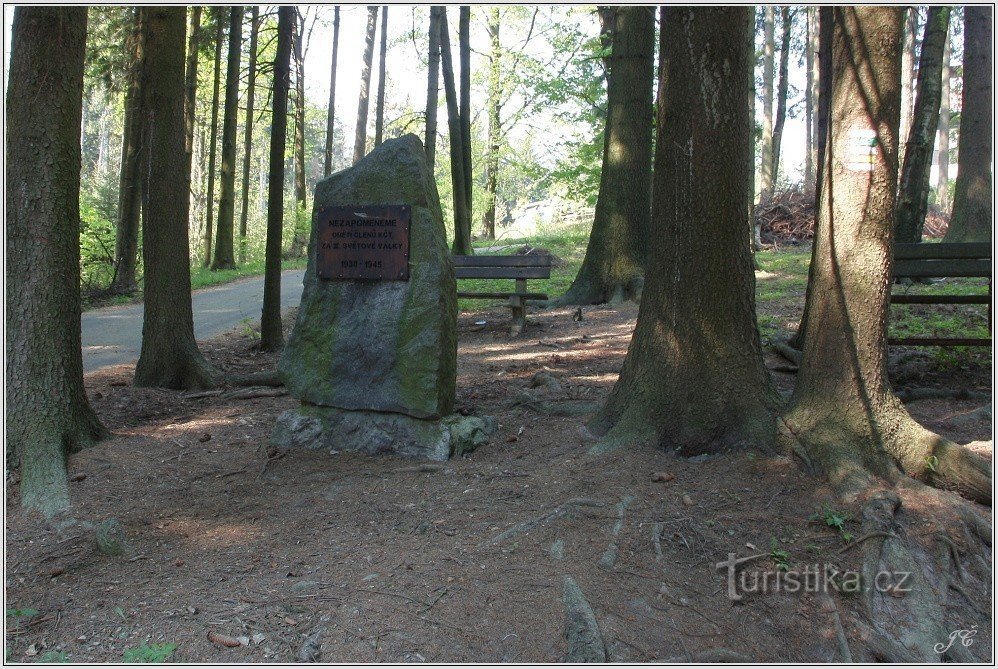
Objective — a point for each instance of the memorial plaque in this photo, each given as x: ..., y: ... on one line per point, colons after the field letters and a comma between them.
x: 366, y: 243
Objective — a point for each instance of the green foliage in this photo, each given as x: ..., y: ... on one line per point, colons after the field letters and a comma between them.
x: 21, y: 613
x: 150, y: 653
x: 54, y: 657
x: 834, y: 519
x: 779, y: 556
x: 96, y: 248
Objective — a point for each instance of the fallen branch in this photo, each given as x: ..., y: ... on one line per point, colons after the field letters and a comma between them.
x: 787, y: 351
x: 252, y: 392
x: 266, y: 378
x: 528, y: 525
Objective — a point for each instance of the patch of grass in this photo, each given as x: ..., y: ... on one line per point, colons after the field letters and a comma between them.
x: 779, y: 556
x: 54, y: 657
x: 21, y: 613
x: 155, y: 653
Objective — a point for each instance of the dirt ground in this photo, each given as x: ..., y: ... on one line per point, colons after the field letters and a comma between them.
x: 380, y: 559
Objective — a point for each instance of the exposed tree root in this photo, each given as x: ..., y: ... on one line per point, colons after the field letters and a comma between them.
x: 586, y: 291
x: 270, y: 377
x: 787, y: 351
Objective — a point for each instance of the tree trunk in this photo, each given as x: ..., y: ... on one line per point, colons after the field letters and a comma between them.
x: 379, y: 110
x: 169, y: 357
x: 331, y: 111
x: 224, y: 251
x: 908, y: 75
x: 360, y: 136
x: 191, y: 82
x: 248, y: 132
x: 126, y: 239
x: 464, y: 52
x: 209, y: 221
x: 781, y: 93
x: 462, y: 215
x: 693, y: 380
x: 766, y: 147
x: 913, y: 197
x: 271, y: 336
x: 48, y: 414
x: 972, y: 208
x: 821, y: 130
x: 299, y: 240
x: 494, y: 107
x: 942, y: 135
x: 613, y: 268
x: 433, y: 86
x: 844, y: 419
x: 810, y: 95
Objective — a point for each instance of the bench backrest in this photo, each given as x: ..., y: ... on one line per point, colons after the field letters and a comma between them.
x: 943, y: 260
x: 533, y: 266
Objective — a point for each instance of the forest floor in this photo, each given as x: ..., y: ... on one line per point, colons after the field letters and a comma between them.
x: 387, y: 559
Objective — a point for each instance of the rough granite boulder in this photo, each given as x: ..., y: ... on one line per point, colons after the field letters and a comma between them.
x: 380, y: 345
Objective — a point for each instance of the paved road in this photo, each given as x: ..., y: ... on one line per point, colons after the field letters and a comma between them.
x: 113, y: 336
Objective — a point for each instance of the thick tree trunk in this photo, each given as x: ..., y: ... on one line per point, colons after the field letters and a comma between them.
x: 908, y: 57
x: 271, y: 336
x: 126, y: 240
x: 494, y: 107
x: 844, y: 419
x: 433, y: 86
x: 810, y: 95
x: 972, y: 206
x: 613, y: 268
x: 248, y: 131
x: 169, y: 357
x: 224, y: 247
x: 464, y: 52
x: 379, y: 110
x: 768, y: 62
x: 299, y: 241
x: 694, y: 380
x: 48, y: 415
x: 913, y: 196
x: 209, y: 221
x: 942, y: 134
x: 781, y: 91
x: 331, y: 111
x: 360, y: 136
x: 821, y: 130
x: 462, y: 215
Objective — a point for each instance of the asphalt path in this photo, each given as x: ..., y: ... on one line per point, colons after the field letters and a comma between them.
x: 113, y: 335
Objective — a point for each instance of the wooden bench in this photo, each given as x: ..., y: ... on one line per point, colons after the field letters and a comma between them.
x: 919, y: 261
x: 520, y: 268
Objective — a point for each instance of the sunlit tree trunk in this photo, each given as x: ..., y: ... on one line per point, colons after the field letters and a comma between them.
x: 464, y: 51
x: 360, y: 136
x: 913, y: 196
x: 209, y: 221
x: 972, y: 200
x: 494, y: 108
x: 942, y: 135
x: 768, y: 63
x: 810, y: 94
x: 844, y: 419
x: 248, y: 130
x: 48, y: 414
x: 908, y: 57
x: 613, y: 267
x: 224, y: 251
x: 379, y: 112
x: 462, y: 215
x: 271, y: 335
x: 786, y: 19
x: 694, y: 380
x: 169, y: 357
x: 432, y: 86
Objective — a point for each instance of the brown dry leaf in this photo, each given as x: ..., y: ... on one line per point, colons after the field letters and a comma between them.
x: 223, y: 640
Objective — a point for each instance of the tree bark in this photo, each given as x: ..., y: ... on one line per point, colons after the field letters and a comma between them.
x: 462, y: 215
x: 360, y: 136
x: 464, y: 52
x: 908, y: 74
x: 972, y: 207
x: 248, y: 131
x: 299, y: 241
x: 379, y: 110
x: 331, y: 111
x: 224, y: 247
x: 766, y: 146
x: 844, y: 418
x: 494, y: 108
x: 48, y: 414
x: 126, y: 241
x: 810, y: 95
x: 613, y: 268
x: 169, y: 357
x: 271, y: 335
x: 209, y: 221
x: 433, y: 86
x: 191, y: 82
x: 693, y: 380
x: 913, y: 196
x: 942, y: 134
x: 781, y: 93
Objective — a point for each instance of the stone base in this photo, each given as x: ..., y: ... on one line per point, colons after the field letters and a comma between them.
x: 380, y: 433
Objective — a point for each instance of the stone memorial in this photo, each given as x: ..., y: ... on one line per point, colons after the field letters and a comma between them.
x: 373, y: 353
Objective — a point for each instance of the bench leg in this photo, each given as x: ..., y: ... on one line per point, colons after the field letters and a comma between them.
x: 519, y: 315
